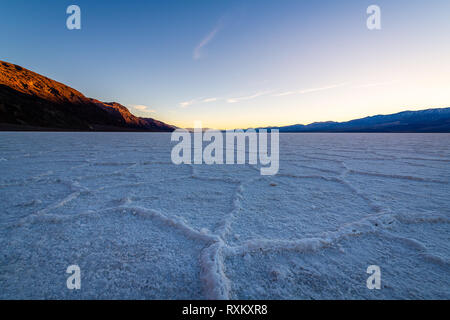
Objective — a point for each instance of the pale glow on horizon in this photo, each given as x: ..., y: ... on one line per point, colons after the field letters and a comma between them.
x: 340, y: 104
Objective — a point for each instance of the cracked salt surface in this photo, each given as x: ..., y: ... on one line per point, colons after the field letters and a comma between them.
x: 140, y: 227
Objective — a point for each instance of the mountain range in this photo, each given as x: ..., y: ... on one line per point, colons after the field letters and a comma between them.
x: 429, y: 120
x: 30, y: 101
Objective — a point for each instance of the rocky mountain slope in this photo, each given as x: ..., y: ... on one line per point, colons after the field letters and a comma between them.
x: 29, y: 101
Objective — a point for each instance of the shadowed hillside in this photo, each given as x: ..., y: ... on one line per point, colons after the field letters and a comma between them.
x: 29, y: 101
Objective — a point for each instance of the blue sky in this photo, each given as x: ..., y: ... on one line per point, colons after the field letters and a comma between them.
x: 239, y: 63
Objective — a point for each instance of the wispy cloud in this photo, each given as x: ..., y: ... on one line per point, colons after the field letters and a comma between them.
x: 250, y: 97
x: 207, y: 39
x: 197, y: 101
x: 305, y: 91
x: 258, y: 94
x: 188, y: 103
x: 185, y: 104
x: 286, y: 93
x: 142, y: 108
x: 209, y: 100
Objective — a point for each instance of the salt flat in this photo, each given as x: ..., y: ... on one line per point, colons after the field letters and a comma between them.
x: 141, y: 227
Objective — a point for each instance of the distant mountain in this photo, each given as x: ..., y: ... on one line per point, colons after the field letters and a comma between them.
x: 430, y: 120
x: 29, y: 101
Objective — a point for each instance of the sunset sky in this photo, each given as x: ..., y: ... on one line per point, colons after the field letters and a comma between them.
x: 239, y: 63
